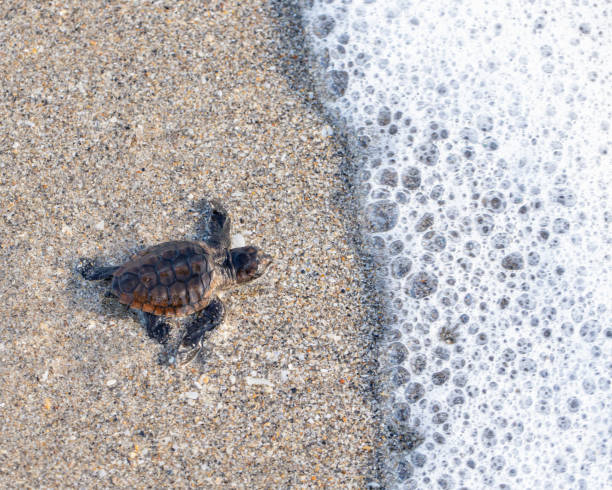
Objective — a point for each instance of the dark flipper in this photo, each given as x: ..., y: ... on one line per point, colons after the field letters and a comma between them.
x: 219, y: 226
x: 90, y: 272
x: 191, y: 343
x: 157, y: 328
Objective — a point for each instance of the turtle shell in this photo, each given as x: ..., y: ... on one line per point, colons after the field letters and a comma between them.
x: 171, y: 279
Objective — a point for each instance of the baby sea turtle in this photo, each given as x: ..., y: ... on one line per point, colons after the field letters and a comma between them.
x: 181, y: 278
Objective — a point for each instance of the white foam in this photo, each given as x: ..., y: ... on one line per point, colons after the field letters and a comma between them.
x: 484, y: 132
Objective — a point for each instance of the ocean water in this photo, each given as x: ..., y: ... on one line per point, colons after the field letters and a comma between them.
x: 481, y: 130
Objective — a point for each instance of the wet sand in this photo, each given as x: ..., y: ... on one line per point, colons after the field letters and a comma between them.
x: 115, y: 121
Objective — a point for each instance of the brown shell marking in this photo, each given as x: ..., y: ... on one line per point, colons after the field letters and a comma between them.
x: 172, y: 279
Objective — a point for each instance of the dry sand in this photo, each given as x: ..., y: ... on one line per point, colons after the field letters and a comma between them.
x: 114, y: 122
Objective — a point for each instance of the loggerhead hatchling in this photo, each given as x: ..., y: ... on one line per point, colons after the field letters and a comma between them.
x: 181, y: 278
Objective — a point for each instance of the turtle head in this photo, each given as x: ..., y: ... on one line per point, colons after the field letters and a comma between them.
x: 249, y: 263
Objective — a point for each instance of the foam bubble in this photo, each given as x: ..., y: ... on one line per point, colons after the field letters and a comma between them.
x: 483, y: 129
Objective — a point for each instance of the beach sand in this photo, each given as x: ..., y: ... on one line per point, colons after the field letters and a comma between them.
x: 115, y: 121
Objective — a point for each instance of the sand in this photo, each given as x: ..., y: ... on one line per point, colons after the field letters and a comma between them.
x: 115, y: 121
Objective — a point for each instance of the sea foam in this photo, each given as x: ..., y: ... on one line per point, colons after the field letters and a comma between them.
x: 482, y: 132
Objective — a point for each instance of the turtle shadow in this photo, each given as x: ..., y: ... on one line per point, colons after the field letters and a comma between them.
x: 167, y: 356
x: 202, y: 210
x: 83, y: 291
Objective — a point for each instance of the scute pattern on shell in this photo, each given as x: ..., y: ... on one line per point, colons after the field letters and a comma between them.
x: 171, y: 279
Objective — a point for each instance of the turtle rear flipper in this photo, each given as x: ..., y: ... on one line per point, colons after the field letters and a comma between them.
x: 89, y: 271
x: 218, y: 228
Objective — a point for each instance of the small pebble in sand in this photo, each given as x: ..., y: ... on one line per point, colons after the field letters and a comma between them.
x: 238, y: 241
x: 251, y: 381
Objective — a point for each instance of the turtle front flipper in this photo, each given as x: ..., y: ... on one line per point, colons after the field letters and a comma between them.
x: 89, y: 271
x: 193, y: 340
x: 218, y: 226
